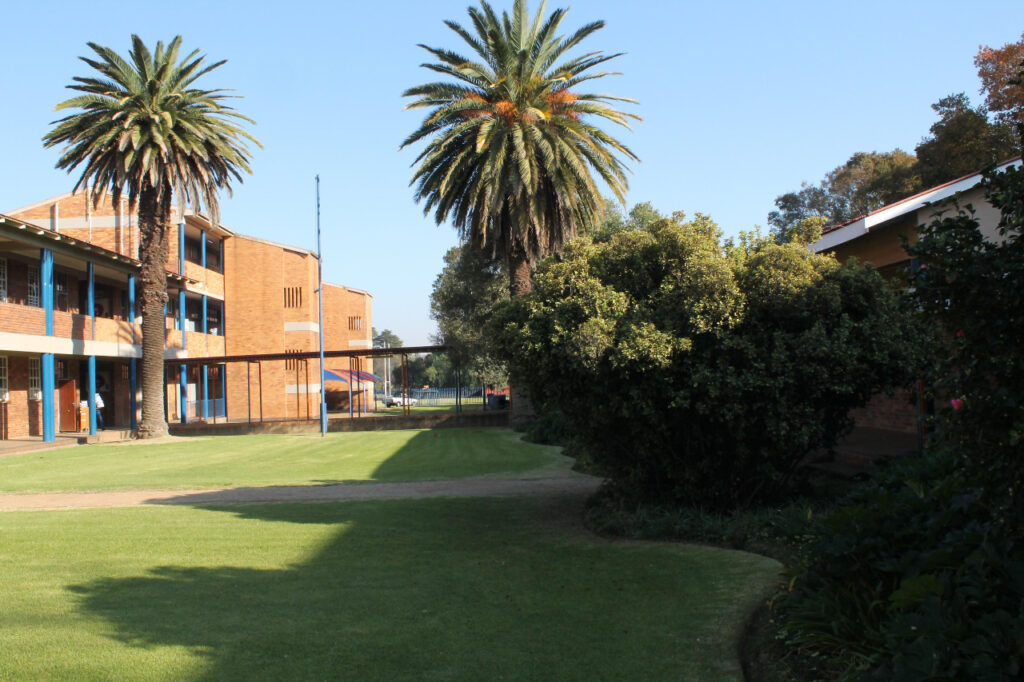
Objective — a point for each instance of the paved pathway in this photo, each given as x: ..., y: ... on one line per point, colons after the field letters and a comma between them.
x: 470, y: 487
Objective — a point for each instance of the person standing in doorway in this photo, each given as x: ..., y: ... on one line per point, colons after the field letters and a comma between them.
x: 99, y: 411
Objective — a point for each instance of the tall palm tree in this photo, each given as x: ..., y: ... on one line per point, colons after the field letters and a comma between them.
x: 145, y: 130
x: 512, y: 153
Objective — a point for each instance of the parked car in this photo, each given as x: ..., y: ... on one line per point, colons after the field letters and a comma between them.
x: 398, y: 401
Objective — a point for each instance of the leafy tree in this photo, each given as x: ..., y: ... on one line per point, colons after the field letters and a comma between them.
x: 512, y: 153
x: 1000, y: 74
x: 962, y: 141
x: 867, y: 181
x: 145, y: 130
x: 692, y: 374
x: 641, y: 217
x: 464, y: 298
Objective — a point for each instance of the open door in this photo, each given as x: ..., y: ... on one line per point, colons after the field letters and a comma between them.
x: 69, y: 412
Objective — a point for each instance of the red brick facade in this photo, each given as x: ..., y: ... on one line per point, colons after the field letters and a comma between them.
x: 268, y: 292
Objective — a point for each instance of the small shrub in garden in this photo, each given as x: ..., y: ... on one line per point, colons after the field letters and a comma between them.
x: 692, y: 374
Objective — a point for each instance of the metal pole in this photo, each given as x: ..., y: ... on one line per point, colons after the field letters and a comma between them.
x: 320, y: 298
x: 350, y: 388
x: 259, y: 369
x: 248, y: 387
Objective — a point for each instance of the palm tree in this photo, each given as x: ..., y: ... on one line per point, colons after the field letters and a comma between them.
x: 512, y: 155
x: 143, y: 129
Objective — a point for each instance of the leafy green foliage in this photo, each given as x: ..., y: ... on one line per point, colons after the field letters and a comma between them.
x: 920, y: 576
x: 512, y: 152
x: 974, y: 289
x: 689, y: 373
x: 962, y: 141
x: 868, y: 180
x: 915, y: 578
x: 465, y: 295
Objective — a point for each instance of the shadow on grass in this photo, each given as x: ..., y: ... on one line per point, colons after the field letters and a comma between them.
x: 419, y: 590
x: 437, y: 589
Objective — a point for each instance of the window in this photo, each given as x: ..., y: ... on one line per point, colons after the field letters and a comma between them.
x: 293, y: 297
x: 3, y: 279
x: 60, y: 369
x: 33, y: 286
x: 60, y: 285
x: 35, y: 382
x: 4, y: 386
x: 124, y: 372
x: 355, y: 322
x: 192, y: 253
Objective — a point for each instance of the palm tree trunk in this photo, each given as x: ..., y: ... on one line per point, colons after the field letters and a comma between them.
x: 520, y: 282
x: 153, y: 250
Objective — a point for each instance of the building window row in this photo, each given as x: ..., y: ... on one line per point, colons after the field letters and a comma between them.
x: 293, y: 297
x: 355, y: 322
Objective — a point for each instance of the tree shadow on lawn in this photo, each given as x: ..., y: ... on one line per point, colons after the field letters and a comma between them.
x: 446, y: 589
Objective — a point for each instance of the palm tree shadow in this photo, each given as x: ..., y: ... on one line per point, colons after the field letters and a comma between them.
x: 358, y: 608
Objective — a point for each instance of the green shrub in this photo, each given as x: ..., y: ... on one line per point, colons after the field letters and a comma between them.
x: 921, y: 575
x: 693, y: 374
x: 915, y: 578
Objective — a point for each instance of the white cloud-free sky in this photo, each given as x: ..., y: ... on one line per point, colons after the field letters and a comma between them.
x: 741, y: 102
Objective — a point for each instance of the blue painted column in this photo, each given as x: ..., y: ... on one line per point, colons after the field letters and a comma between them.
x: 202, y: 248
x: 223, y: 320
x: 92, y: 395
x: 90, y: 310
x: 222, y: 256
x: 47, y: 380
x: 133, y: 377
x: 181, y: 248
x: 206, y: 369
x: 224, y: 388
x: 183, y: 399
x: 181, y: 315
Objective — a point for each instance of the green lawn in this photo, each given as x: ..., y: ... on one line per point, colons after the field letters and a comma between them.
x: 280, y: 460
x: 481, y: 589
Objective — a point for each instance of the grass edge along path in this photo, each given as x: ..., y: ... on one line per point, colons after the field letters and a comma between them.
x: 412, y: 589
x: 279, y: 459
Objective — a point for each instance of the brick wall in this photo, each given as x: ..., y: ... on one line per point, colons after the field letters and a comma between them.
x: 22, y: 414
x: 897, y: 412
x: 21, y: 319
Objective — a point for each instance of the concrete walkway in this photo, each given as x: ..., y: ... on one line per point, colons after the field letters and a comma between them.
x: 471, y: 487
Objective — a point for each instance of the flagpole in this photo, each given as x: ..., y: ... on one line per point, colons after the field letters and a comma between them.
x: 320, y: 298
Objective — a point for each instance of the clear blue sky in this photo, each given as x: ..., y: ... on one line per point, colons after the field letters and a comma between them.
x: 741, y: 102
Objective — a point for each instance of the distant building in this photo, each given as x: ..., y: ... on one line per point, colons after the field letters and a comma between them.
x: 68, y: 318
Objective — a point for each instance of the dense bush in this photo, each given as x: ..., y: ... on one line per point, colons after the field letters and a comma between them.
x: 921, y: 575
x: 973, y: 289
x: 691, y: 373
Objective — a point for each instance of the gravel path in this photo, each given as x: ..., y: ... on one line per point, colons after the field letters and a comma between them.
x: 471, y: 487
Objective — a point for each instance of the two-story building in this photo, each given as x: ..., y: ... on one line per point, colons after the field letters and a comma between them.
x: 69, y: 326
